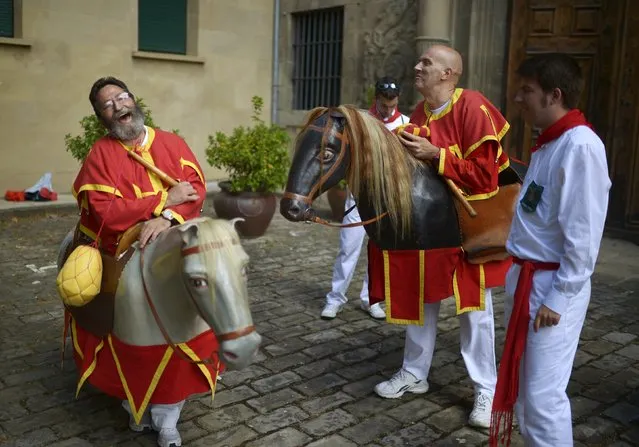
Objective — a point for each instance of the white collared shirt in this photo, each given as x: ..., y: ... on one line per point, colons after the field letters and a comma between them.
x: 146, y: 136
x: 568, y: 222
x: 392, y: 125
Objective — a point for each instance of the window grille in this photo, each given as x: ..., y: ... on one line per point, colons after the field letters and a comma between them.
x: 317, y: 58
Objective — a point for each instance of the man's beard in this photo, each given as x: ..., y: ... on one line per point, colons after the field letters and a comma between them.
x: 127, y: 131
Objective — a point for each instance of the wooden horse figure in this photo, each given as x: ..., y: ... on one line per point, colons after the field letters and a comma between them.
x: 166, y: 304
x: 408, y: 211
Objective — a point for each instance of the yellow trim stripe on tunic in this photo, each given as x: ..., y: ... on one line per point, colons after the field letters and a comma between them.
x: 482, y: 292
x: 138, y: 412
x: 193, y: 166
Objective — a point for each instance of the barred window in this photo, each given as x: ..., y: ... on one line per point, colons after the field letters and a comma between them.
x: 317, y: 58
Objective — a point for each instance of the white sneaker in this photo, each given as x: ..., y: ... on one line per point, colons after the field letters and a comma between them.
x: 401, y: 382
x: 331, y: 310
x: 480, y: 416
x: 374, y: 311
x: 169, y: 437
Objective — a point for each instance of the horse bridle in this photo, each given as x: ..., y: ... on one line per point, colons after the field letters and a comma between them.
x: 221, y: 337
x: 308, y: 199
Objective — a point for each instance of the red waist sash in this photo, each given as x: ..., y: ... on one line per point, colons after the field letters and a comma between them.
x: 507, y: 387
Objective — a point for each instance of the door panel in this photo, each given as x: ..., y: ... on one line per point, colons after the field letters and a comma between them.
x: 550, y: 26
x: 603, y: 35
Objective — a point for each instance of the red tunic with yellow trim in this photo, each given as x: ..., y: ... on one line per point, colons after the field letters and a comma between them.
x: 117, y: 191
x: 113, y: 188
x: 468, y: 130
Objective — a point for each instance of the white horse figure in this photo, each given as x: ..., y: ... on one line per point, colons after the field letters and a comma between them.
x: 192, y: 278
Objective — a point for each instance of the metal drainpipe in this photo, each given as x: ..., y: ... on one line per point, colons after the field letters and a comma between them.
x: 276, y: 63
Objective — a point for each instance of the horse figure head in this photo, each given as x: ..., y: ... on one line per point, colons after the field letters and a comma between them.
x: 214, y: 274
x: 406, y: 202
x: 347, y: 143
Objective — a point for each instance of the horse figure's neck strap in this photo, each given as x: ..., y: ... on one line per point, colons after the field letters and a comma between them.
x: 308, y: 200
x: 291, y: 195
x: 319, y: 220
x: 222, y: 337
x: 158, y: 321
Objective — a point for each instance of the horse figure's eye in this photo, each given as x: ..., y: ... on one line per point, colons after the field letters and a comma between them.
x: 199, y: 283
x: 327, y: 155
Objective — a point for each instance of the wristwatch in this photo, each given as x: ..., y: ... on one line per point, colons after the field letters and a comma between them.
x: 168, y: 215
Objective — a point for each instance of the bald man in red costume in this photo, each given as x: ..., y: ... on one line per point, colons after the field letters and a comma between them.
x: 459, y: 132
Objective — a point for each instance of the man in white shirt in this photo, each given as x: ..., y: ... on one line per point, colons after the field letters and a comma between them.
x: 554, y: 239
x: 385, y: 109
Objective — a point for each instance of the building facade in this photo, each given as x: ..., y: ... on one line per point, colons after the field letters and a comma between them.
x: 342, y: 46
x: 196, y: 64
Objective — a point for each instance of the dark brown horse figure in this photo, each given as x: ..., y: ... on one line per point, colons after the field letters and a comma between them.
x: 410, y: 206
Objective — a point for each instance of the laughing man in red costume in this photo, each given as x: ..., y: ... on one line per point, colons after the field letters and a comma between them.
x: 114, y: 193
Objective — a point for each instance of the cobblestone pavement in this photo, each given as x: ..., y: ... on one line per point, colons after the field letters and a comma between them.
x: 312, y: 383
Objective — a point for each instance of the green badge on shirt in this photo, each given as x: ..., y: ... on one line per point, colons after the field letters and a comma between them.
x: 532, y: 197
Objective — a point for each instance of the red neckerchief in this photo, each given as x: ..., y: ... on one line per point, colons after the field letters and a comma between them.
x: 571, y: 119
x: 373, y: 111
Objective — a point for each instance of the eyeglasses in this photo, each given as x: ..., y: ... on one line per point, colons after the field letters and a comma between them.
x: 386, y: 86
x: 122, y: 97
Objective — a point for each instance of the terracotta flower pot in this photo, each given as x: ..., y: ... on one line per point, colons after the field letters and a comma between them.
x: 337, y: 200
x: 257, y: 209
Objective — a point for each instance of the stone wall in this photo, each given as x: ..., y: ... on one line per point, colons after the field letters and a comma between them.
x: 379, y: 39
x: 385, y: 37
x: 388, y: 46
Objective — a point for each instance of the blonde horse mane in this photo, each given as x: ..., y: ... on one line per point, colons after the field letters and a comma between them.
x: 380, y: 167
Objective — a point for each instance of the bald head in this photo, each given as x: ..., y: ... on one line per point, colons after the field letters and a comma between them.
x: 448, y: 57
x: 437, y: 73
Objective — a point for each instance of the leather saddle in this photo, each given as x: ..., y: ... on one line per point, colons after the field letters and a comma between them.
x: 484, y: 236
x: 97, y: 316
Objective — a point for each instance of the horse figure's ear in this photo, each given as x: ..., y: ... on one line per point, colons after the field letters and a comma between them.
x: 188, y: 231
x: 336, y: 114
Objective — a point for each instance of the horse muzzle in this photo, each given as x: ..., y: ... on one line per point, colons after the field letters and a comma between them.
x: 239, y: 352
x: 296, y: 208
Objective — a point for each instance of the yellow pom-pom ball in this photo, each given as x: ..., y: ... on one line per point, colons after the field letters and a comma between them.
x: 79, y: 279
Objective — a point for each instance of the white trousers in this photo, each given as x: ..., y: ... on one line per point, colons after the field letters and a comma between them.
x: 161, y: 415
x: 543, y: 408
x: 477, y: 342
x: 350, y: 246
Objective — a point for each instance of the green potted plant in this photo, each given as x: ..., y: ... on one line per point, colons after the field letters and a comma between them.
x: 337, y: 200
x: 257, y: 161
x: 92, y: 130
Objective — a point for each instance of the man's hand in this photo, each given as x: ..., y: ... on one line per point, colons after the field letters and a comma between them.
x: 546, y: 318
x: 181, y: 193
x: 151, y: 229
x: 419, y: 147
